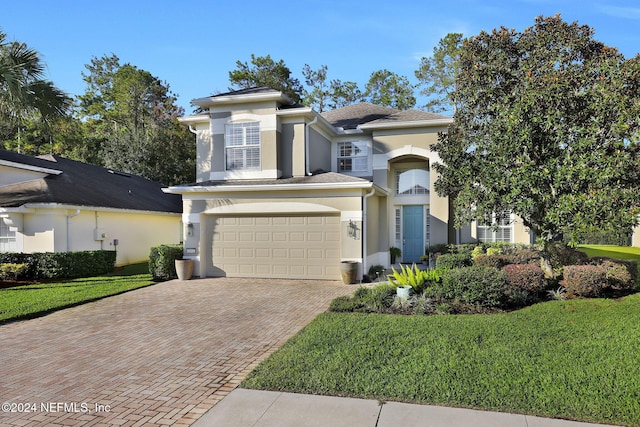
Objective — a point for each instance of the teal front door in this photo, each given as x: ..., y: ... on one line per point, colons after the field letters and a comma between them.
x: 412, y: 233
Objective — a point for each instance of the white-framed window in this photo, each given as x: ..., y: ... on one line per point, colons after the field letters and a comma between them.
x: 353, y: 156
x: 242, y: 146
x: 503, y: 232
x: 411, y: 182
x: 7, y: 238
x: 398, y: 228
x: 427, y: 226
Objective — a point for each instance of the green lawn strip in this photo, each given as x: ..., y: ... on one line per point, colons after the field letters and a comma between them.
x: 610, y: 251
x: 573, y: 359
x: 30, y: 301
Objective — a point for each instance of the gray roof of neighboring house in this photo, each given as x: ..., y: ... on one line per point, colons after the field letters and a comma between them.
x: 351, y: 116
x: 82, y: 184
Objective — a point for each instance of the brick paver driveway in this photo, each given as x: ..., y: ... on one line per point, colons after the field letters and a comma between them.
x: 161, y: 355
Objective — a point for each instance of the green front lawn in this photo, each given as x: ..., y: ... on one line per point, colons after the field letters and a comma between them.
x: 574, y: 359
x: 620, y: 252
x: 27, y: 301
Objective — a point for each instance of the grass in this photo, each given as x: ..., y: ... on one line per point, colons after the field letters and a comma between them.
x: 619, y: 252
x: 28, y: 301
x: 575, y: 359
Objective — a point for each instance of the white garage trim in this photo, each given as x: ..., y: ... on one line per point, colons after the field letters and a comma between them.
x: 272, y: 208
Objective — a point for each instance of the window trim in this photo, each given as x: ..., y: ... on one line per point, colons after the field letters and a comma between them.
x: 491, y: 235
x: 8, y: 238
x: 363, y: 146
x: 246, y: 143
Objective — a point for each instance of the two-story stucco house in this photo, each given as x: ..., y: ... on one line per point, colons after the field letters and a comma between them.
x: 283, y: 191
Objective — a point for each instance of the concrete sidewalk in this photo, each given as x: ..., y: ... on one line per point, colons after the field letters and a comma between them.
x: 243, y: 407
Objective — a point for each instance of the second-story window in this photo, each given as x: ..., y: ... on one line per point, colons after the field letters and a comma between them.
x: 242, y: 145
x: 353, y: 156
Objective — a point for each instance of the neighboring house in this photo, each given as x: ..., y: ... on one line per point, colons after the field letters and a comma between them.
x: 283, y: 191
x: 53, y: 204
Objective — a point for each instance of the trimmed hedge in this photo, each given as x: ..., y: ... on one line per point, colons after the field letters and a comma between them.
x: 584, y: 280
x: 621, y: 274
x: 162, y: 264
x: 527, y: 277
x: 62, y: 265
x: 482, y: 286
x: 452, y: 261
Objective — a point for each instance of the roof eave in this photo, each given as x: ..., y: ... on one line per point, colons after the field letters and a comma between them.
x: 29, y: 167
x: 407, y: 124
x: 241, y: 99
x: 268, y: 187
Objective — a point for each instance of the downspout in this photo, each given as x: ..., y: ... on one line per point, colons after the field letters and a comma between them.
x: 364, y: 230
x: 307, y: 172
x: 76, y: 213
x: 192, y: 130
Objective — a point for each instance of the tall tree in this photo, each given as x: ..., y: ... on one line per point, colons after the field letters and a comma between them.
x: 438, y: 74
x: 547, y: 128
x: 323, y: 94
x: 132, y: 117
x: 390, y: 90
x: 23, y: 91
x: 264, y: 71
x: 344, y: 93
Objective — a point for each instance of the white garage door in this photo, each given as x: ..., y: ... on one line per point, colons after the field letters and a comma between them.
x: 296, y: 247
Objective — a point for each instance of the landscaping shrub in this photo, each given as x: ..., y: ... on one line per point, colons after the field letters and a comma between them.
x: 527, y: 277
x: 451, y: 261
x: 561, y: 255
x: 162, y: 261
x: 482, y: 286
x: 476, y: 252
x: 57, y: 265
x: 525, y: 256
x: 495, y: 261
x: 526, y: 282
x: 12, y: 271
x: 345, y: 304
x: 409, y: 276
x: 621, y: 274
x: 584, y: 280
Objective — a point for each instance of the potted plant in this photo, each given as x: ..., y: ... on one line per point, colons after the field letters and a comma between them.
x: 395, y: 254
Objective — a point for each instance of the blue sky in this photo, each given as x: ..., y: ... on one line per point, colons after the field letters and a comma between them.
x: 193, y: 45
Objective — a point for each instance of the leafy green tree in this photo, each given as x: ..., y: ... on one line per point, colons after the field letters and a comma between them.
x: 438, y: 73
x: 547, y: 128
x: 24, y: 94
x: 264, y: 71
x: 390, y: 90
x: 131, y: 118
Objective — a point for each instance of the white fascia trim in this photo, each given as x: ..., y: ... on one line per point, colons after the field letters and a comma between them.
x: 33, y: 206
x: 411, y: 124
x: 19, y: 210
x: 30, y: 168
x: 310, y: 114
x: 240, y: 99
x: 195, y: 119
x: 268, y: 187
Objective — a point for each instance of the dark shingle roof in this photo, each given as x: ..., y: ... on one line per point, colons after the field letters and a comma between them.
x: 352, y: 116
x: 82, y: 184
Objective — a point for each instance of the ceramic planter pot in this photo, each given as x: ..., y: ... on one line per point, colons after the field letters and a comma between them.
x: 184, y: 269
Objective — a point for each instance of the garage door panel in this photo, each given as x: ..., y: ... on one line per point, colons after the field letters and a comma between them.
x: 298, y: 246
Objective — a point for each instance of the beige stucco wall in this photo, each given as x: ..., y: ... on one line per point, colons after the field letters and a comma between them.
x: 60, y: 230
x: 635, y: 238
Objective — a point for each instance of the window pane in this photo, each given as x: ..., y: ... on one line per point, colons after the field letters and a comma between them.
x: 413, y: 181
